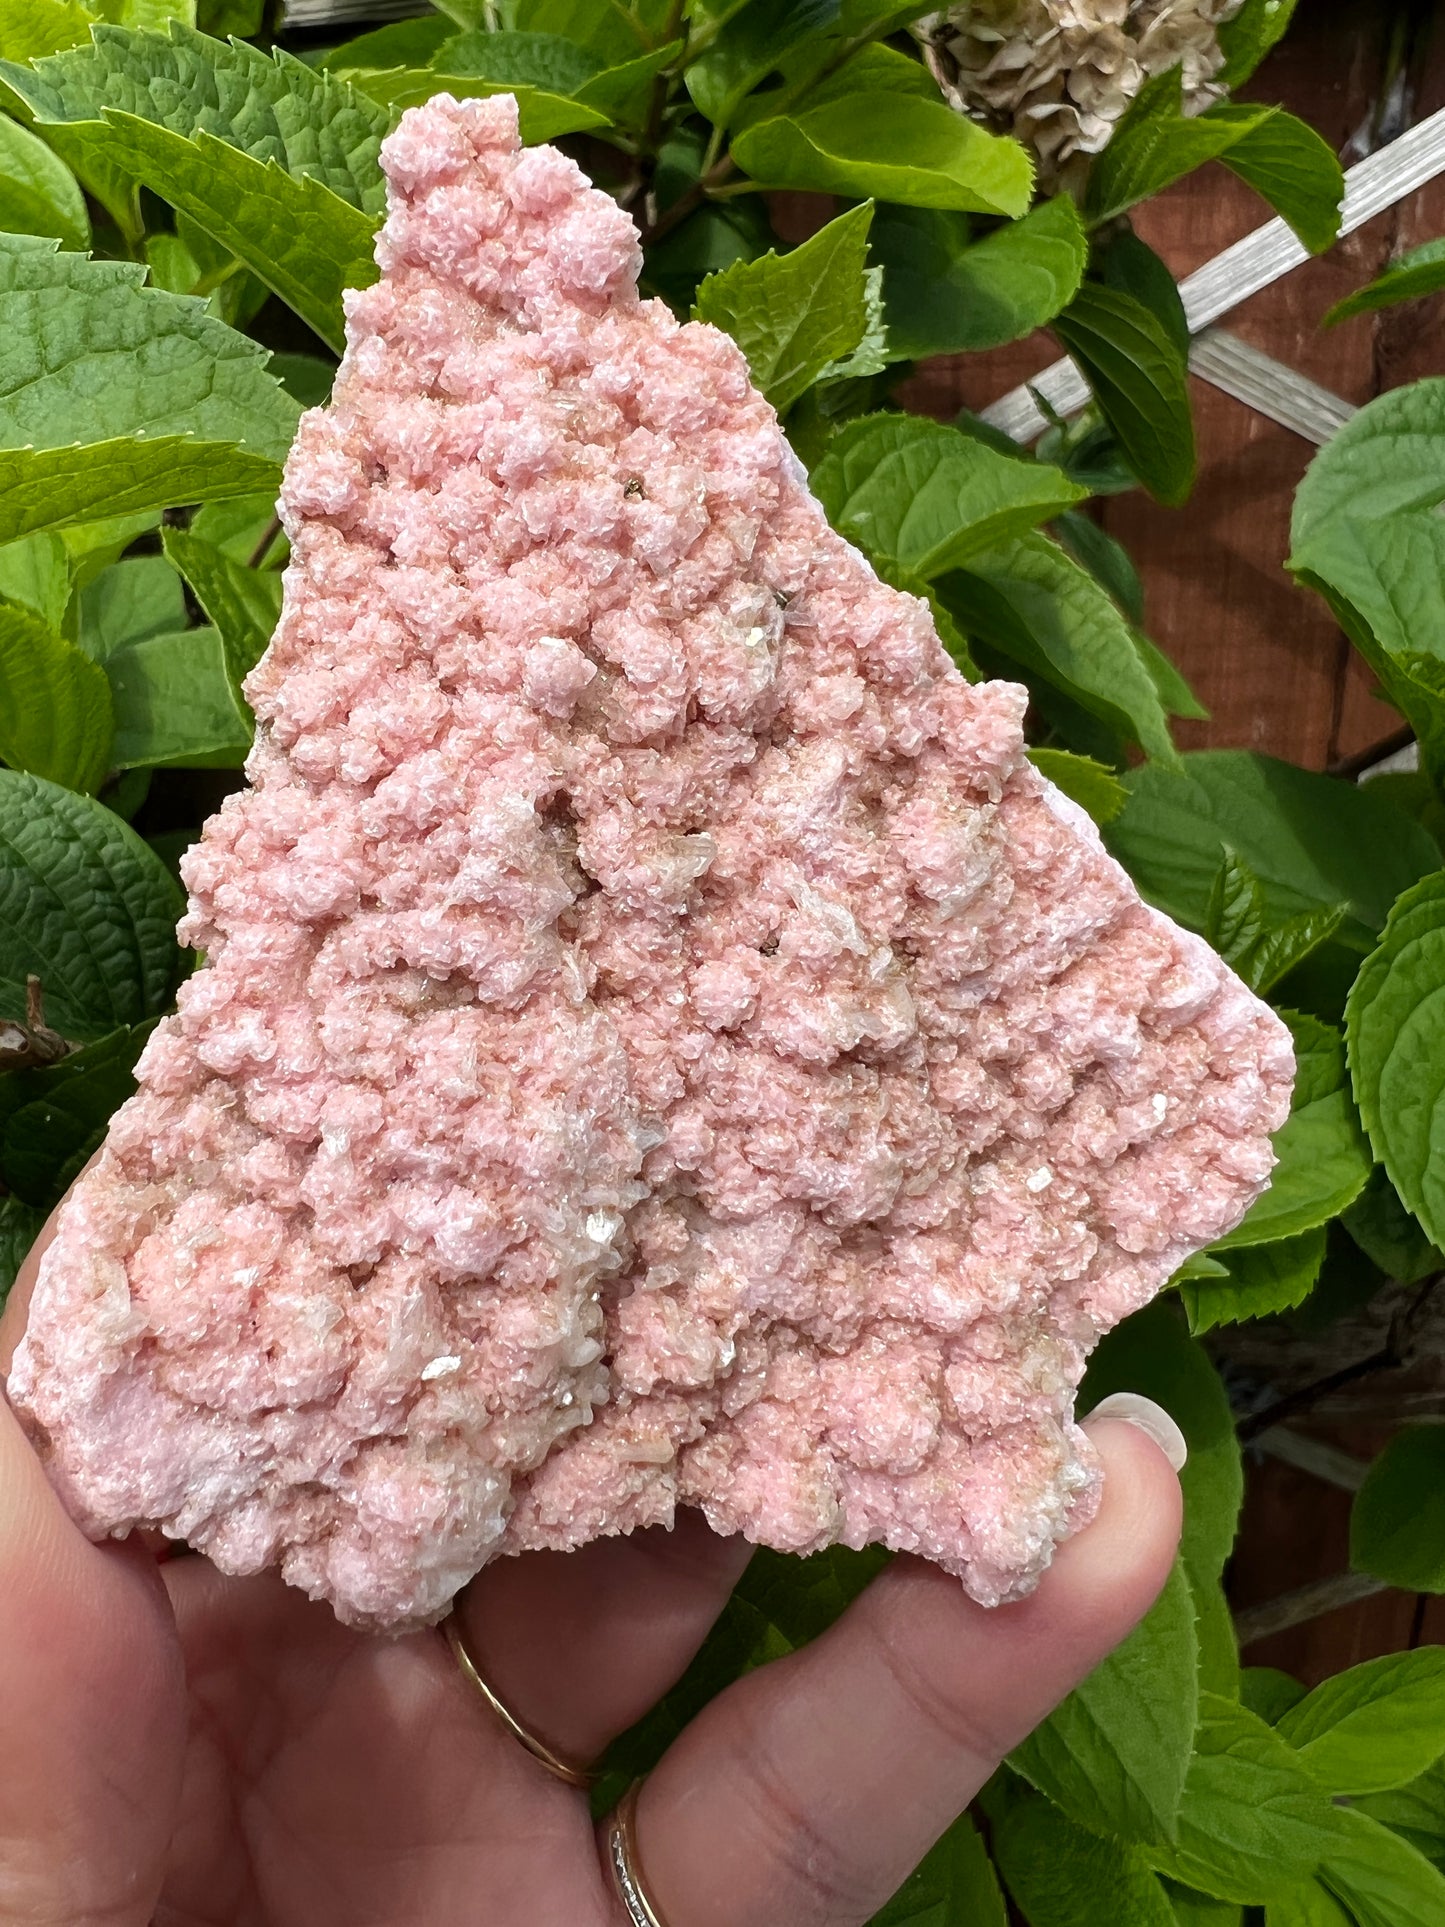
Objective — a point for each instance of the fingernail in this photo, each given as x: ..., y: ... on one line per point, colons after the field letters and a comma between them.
x: 1134, y: 1409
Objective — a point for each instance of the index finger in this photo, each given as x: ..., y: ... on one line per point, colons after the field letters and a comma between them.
x: 17, y: 1305
x: 810, y: 1789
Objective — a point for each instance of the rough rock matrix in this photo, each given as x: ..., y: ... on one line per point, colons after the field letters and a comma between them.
x: 661, y: 1042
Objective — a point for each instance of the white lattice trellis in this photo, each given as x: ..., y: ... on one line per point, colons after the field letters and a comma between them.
x: 1270, y: 387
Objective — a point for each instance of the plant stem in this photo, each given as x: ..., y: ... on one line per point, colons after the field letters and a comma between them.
x: 1311, y: 1395
x: 1392, y: 1355
x: 258, y: 554
x: 692, y: 199
x: 1305, y: 1603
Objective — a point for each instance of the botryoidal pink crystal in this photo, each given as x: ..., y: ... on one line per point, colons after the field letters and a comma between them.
x: 660, y: 1041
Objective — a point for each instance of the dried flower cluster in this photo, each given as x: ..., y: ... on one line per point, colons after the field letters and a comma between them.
x: 1059, y: 74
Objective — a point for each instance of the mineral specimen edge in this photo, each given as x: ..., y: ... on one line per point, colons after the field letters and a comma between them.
x: 660, y: 1041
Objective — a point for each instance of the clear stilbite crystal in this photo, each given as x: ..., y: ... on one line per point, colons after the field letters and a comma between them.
x: 644, y: 987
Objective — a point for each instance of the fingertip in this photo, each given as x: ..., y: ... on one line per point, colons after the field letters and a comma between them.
x: 1115, y: 1568
x: 1150, y: 1418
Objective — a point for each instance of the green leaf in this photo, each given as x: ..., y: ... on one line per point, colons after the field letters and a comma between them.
x: 304, y: 242
x: 948, y: 294
x: 236, y: 527
x: 1130, y: 266
x: 1141, y: 383
x: 1154, y: 145
x: 55, y: 715
x: 146, y: 13
x: 1157, y: 144
x: 1202, y: 1910
x: 20, y: 1225
x: 1093, y: 786
x: 749, y: 47
x: 93, y: 546
x: 87, y: 907
x: 929, y: 496
x: 244, y: 603
x: 1241, y: 929
x: 541, y: 116
x: 176, y: 705
x: 29, y: 28
x: 1269, y: 1692
x: 1324, y: 1161
x: 873, y: 69
x: 52, y: 488
x: 613, y: 34
x: 1308, y: 1905
x: 1388, y: 1234
x: 88, y: 354
x: 1218, y: 1646
x: 1388, y: 457
x: 718, y: 234
x: 273, y: 108
x: 141, y: 596
x: 625, y: 93
x: 1375, y: 1727
x: 1416, y: 1812
x: 35, y: 572
x: 1062, y: 1876
x: 1289, y: 165
x: 38, y: 192
x: 1412, y: 791
x: 1252, y: 1823
x: 306, y: 378
x: 406, y: 43
x: 1108, y: 563
x: 1395, y: 1024
x: 795, y: 314
x: 1153, y: 1353
x: 1281, y: 950
x: 1397, y: 1527
x: 1174, y: 692
x: 548, y: 61
x: 1311, y: 840
x: 1236, y: 917
x: 1383, y: 582
x: 52, y: 1120
x: 955, y: 1883
x: 1114, y: 1755
x: 1035, y: 605
x: 1248, y: 37
x: 1263, y: 1280
x: 1418, y: 272
x: 906, y: 149
x: 1381, y: 1878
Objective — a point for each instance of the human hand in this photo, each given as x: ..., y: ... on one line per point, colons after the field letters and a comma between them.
x: 194, y: 1751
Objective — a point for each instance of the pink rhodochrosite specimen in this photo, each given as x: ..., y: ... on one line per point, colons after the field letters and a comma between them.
x: 660, y: 1041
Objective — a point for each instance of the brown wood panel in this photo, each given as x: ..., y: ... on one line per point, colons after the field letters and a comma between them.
x: 1295, y: 1530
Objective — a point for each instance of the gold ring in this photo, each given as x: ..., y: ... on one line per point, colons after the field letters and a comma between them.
x: 559, y: 1768
x: 622, y: 1864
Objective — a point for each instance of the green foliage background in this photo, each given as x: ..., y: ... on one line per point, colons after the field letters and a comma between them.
x: 181, y: 212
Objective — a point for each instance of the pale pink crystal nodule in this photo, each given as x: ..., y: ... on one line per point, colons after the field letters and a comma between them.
x: 661, y: 1042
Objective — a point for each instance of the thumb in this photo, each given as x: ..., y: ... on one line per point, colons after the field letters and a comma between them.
x: 93, y: 1689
